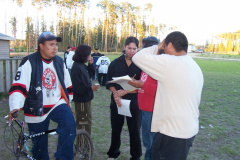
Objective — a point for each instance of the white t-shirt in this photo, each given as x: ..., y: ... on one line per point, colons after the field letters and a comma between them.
x: 103, y: 62
x: 178, y: 96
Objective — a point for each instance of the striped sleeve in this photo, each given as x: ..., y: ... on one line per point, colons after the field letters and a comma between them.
x: 20, y: 86
x: 68, y: 83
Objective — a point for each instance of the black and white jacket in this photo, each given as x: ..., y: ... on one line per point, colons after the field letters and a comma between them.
x: 37, y: 87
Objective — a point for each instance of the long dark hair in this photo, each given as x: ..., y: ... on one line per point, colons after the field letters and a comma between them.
x: 81, y: 53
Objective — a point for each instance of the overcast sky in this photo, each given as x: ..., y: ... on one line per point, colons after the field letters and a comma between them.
x: 198, y: 19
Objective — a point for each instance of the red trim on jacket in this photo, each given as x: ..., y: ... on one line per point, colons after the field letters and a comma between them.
x: 70, y: 90
x: 47, y: 61
x: 19, y: 91
x: 48, y: 106
x: 31, y: 115
x: 19, y: 84
x: 20, y: 88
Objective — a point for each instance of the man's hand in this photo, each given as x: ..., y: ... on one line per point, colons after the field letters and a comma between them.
x: 135, y: 83
x: 10, y: 116
x: 161, y: 45
x: 117, y: 99
x: 122, y: 92
x: 95, y: 87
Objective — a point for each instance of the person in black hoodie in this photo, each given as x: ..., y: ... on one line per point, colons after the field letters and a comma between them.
x: 82, y: 86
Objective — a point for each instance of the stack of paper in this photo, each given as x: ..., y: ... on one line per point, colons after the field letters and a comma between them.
x: 123, y: 82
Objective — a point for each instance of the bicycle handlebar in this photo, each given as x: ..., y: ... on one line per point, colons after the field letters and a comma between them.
x: 15, y: 114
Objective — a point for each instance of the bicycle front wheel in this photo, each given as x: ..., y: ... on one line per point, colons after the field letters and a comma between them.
x: 83, y: 146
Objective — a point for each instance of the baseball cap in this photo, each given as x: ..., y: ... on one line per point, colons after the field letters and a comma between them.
x: 73, y: 48
x: 150, y: 39
x: 48, y: 36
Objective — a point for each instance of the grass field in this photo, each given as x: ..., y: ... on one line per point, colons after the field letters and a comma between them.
x: 218, y: 138
x: 226, y: 56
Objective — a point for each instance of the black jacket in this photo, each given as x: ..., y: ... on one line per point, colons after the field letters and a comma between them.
x: 81, y: 83
x: 118, y: 68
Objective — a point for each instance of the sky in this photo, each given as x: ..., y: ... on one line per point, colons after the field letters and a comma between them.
x: 199, y: 20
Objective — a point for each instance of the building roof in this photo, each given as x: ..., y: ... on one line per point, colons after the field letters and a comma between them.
x: 5, y: 37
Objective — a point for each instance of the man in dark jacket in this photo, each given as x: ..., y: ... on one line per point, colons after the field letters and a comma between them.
x: 43, y: 88
x: 95, y: 56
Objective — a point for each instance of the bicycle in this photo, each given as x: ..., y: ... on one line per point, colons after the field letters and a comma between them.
x: 83, y: 149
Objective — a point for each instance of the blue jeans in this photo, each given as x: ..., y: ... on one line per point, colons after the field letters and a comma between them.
x: 95, y: 77
x: 147, y: 135
x: 66, y: 130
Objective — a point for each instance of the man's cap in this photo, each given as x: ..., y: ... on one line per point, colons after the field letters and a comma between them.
x: 96, y: 48
x: 73, y: 48
x: 150, y: 39
x: 48, y: 36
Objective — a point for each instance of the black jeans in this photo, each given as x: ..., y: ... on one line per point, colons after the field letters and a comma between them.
x: 102, y: 78
x: 170, y: 148
x: 134, y: 124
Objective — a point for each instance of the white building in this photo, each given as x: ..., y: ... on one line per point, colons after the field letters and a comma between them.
x: 5, y: 45
x: 191, y: 48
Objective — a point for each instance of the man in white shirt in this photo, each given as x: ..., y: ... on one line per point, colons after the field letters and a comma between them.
x: 102, y: 65
x: 69, y: 61
x: 180, y: 82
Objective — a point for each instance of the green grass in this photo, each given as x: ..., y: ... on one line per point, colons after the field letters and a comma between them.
x: 219, y: 111
x: 218, y: 139
x: 3, y: 96
x: 114, y: 56
x: 226, y: 56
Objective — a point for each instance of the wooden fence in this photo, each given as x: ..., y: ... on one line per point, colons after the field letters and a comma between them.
x: 8, y: 69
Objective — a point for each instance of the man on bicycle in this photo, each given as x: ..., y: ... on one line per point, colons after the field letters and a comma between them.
x: 42, y: 88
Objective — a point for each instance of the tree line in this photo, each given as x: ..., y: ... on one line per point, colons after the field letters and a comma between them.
x: 108, y: 33
x: 227, y: 43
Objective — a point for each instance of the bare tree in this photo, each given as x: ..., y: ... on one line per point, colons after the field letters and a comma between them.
x: 13, y: 22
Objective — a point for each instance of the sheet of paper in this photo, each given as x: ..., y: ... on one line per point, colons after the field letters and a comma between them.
x: 123, y: 78
x: 123, y: 82
x: 125, y: 108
